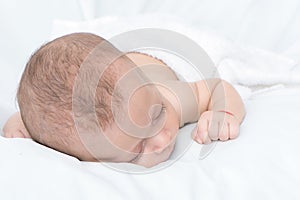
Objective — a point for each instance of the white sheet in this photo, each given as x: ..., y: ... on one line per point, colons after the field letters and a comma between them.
x: 263, y: 163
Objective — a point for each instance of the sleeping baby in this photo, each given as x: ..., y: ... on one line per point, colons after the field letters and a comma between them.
x: 83, y: 97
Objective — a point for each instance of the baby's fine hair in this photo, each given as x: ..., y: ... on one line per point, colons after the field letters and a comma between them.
x: 46, y: 87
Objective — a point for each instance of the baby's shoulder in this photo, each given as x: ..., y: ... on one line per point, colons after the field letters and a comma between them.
x: 155, y: 69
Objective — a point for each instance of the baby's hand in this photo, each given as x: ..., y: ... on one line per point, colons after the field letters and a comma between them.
x: 215, y: 125
x: 14, y: 127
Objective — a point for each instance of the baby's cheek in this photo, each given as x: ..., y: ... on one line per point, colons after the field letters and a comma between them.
x: 138, y: 118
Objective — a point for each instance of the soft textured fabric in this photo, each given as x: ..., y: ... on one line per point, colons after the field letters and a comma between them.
x: 262, y: 163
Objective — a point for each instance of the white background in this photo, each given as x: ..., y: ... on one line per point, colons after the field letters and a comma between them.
x: 25, y: 25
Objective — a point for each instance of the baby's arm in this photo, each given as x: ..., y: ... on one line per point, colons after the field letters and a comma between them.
x: 221, y: 108
x: 14, y: 127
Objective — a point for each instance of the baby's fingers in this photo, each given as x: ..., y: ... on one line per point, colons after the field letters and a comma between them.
x: 200, y: 134
x: 213, y: 130
x: 234, y: 129
x: 224, y: 131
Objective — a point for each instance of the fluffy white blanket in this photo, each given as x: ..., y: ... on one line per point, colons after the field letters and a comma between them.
x: 238, y: 64
x: 263, y: 163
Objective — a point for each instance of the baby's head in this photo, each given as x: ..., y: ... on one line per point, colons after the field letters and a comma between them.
x: 66, y: 106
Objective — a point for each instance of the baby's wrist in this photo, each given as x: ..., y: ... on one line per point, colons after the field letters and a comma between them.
x: 227, y: 112
x: 231, y: 114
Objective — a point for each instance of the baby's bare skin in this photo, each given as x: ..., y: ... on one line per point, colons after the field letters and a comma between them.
x: 14, y: 127
x: 203, y: 134
x: 185, y: 102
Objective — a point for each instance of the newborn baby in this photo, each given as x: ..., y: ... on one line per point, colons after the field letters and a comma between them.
x: 131, y: 113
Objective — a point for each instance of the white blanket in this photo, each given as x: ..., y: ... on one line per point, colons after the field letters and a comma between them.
x: 242, y: 65
x: 263, y: 163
